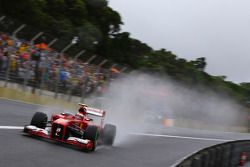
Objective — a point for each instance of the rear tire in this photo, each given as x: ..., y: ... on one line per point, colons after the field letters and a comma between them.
x: 39, y: 120
x: 91, y: 133
x: 108, y: 134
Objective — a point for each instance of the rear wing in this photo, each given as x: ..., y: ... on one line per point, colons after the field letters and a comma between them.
x: 93, y: 111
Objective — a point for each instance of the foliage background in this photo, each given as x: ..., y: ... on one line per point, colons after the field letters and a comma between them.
x: 98, y: 27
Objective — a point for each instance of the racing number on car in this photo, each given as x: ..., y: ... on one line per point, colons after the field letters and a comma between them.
x: 58, y: 130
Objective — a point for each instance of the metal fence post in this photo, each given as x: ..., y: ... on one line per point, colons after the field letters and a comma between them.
x: 90, y: 59
x: 18, y: 30
x: 102, y: 63
x: 52, y: 42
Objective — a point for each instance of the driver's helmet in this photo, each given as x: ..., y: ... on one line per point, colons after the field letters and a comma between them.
x: 83, y: 109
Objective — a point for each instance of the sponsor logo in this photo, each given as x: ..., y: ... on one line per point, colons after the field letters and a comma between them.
x: 58, y: 131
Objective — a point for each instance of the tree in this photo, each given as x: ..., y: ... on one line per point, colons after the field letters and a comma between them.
x: 98, y: 27
x: 200, y: 63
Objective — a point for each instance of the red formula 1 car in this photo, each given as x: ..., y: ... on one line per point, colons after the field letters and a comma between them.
x: 85, y: 129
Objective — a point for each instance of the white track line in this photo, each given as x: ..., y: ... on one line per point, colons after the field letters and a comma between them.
x: 180, y: 137
x: 11, y: 127
x: 143, y: 134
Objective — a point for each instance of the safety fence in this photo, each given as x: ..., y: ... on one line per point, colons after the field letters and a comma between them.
x: 230, y: 154
x: 33, y: 62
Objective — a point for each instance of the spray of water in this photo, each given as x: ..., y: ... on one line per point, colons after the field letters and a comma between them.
x: 137, y: 102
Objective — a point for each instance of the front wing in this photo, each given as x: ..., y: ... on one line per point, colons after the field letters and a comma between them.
x: 83, y: 144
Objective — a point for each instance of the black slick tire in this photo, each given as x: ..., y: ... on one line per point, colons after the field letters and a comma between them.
x: 39, y: 120
x: 108, y: 134
x: 92, y: 133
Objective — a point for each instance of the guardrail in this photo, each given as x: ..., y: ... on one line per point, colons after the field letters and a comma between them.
x: 230, y: 154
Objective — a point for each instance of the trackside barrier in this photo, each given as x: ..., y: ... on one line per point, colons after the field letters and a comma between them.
x: 230, y: 154
x: 243, y: 158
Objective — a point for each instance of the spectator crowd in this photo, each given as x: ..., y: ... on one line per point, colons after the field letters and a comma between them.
x: 45, y: 68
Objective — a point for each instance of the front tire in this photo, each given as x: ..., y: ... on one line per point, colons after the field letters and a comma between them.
x: 39, y: 120
x: 91, y: 133
x: 108, y: 134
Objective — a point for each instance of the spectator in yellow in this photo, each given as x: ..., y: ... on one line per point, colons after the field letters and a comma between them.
x: 23, y: 48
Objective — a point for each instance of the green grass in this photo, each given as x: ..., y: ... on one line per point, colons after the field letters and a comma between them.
x: 19, y: 95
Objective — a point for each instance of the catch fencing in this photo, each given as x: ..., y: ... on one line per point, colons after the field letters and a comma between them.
x: 230, y: 154
x: 33, y: 63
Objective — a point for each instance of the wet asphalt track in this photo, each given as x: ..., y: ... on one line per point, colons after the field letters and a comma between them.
x: 17, y: 150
